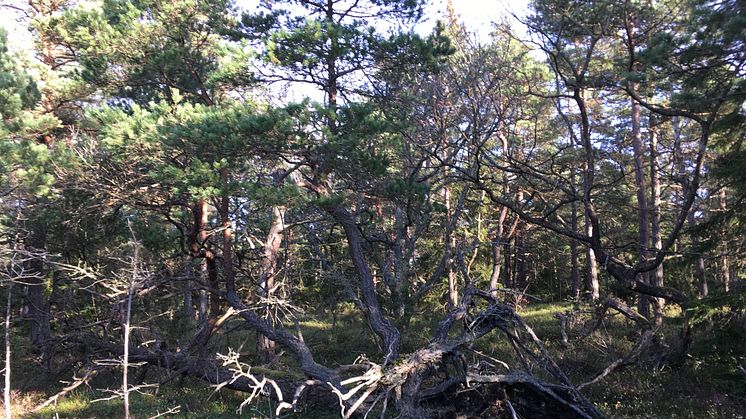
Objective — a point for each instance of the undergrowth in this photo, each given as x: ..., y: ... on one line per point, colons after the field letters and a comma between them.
x: 705, y: 381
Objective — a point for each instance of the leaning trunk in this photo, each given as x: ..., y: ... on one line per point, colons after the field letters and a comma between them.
x: 389, y: 335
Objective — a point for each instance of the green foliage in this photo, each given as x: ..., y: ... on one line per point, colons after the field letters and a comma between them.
x: 721, y: 308
x: 23, y: 155
x: 185, y: 146
x: 144, y: 49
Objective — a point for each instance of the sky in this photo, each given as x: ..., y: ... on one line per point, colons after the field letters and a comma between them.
x: 477, y: 15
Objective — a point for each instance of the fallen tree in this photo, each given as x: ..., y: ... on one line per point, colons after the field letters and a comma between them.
x: 446, y: 377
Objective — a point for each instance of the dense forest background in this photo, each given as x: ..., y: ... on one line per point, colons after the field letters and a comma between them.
x: 310, y: 209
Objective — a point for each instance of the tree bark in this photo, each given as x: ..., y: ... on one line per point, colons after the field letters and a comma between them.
x: 520, y: 251
x: 520, y: 257
x: 725, y: 268
x: 699, y: 262
x: 7, y: 370
x: 642, y: 201
x: 575, y: 256
x: 497, y: 242
x: 591, y: 269
x: 198, y: 249
x: 224, y: 212
x: 268, y: 268
x: 389, y: 335
x: 655, y: 185
x: 508, y: 262
x: 451, y: 268
x: 38, y: 307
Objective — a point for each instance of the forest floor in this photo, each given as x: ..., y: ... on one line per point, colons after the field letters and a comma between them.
x: 705, y: 382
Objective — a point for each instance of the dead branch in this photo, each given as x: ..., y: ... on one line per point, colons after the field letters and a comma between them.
x: 642, y: 344
x: 77, y: 382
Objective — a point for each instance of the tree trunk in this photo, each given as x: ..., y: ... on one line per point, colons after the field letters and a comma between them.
x: 725, y: 268
x: 655, y: 184
x: 389, y: 335
x: 575, y: 256
x: 126, y: 346
x: 699, y: 263
x: 508, y: 256
x: 268, y: 268
x: 679, y: 166
x: 401, y: 264
x: 452, y: 272
x: 188, y: 298
x: 8, y: 312
x: 209, y: 305
x: 591, y: 270
x: 38, y: 306
x: 642, y: 201
x: 520, y: 256
x: 496, y: 248
x: 478, y: 238
x: 224, y: 212
x: 520, y: 251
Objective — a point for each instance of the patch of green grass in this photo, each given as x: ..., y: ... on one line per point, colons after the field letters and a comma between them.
x: 193, y: 399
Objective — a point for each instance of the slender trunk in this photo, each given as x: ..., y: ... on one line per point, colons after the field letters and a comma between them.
x: 188, y: 299
x: 228, y: 274
x: 38, y: 306
x: 401, y: 264
x: 452, y: 275
x: 125, y: 360
x: 497, y: 242
x: 209, y: 305
x: 520, y: 256
x: 331, y: 69
x: 268, y: 269
x: 126, y: 325
x: 679, y: 167
x: 725, y: 267
x: 699, y: 263
x: 452, y: 288
x: 589, y: 175
x: 203, y: 297
x: 702, y: 287
x: 642, y: 201
x: 655, y: 184
x: 8, y: 311
x: 496, y: 256
x: 591, y: 274
x: 575, y: 256
x: 479, y: 235
x: 555, y: 275
x: 520, y: 251
x: 507, y: 256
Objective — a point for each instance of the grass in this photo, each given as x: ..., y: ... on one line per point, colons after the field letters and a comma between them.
x: 705, y: 382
